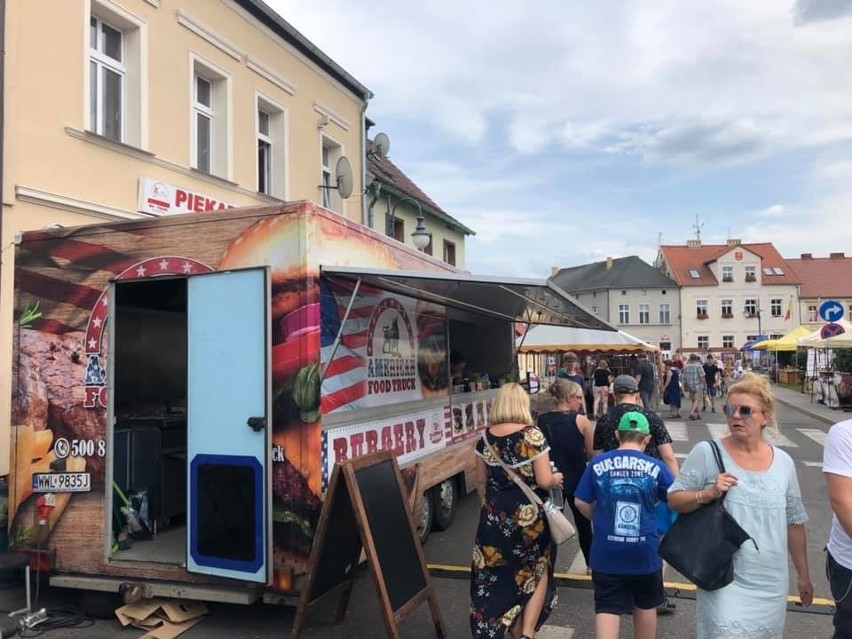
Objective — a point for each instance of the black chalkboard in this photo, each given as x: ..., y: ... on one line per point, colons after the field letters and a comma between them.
x: 342, y: 545
x: 395, y: 546
x: 365, y: 508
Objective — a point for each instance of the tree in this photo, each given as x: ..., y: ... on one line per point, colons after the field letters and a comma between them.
x: 843, y: 360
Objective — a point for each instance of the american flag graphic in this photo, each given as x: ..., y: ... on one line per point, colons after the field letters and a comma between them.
x: 344, y: 386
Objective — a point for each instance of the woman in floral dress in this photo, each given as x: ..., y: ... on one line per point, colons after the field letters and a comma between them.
x: 511, y: 587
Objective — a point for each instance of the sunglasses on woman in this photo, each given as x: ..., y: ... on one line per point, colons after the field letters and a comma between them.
x: 745, y: 411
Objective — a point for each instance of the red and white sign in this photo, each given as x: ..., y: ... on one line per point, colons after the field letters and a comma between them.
x: 162, y: 198
x: 409, y: 436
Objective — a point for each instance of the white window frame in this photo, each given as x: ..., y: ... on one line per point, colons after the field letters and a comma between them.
x: 624, y: 313
x: 221, y: 138
x: 813, y: 313
x: 751, y: 273
x: 665, y: 314
x: 727, y: 341
x: 330, y: 196
x: 644, y: 313
x: 776, y: 307
x: 751, y: 305
x: 726, y: 307
x: 703, y: 341
x: 277, y: 138
x: 134, y: 105
x: 701, y: 308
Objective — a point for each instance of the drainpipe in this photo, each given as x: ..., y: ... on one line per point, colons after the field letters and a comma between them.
x: 376, y: 191
x: 364, y: 213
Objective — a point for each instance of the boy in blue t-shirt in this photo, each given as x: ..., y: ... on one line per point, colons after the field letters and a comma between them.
x: 618, y: 492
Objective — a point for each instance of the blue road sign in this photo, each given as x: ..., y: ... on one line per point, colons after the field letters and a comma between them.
x: 831, y: 311
x: 831, y: 330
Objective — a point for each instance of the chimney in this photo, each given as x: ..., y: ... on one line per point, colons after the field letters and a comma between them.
x: 608, y: 263
x: 807, y: 256
x: 836, y: 256
x: 554, y: 270
x: 693, y: 244
x: 734, y: 242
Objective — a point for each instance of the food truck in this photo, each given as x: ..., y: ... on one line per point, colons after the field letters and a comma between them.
x: 184, y: 385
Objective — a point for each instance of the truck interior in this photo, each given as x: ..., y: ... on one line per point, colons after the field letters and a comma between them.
x: 149, y: 401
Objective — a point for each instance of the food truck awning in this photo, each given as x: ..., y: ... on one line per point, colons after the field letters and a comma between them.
x: 512, y: 299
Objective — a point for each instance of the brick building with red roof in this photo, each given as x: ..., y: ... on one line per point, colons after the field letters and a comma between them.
x: 730, y: 293
x: 822, y: 278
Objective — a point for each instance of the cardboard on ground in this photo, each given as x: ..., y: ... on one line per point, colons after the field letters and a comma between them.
x: 162, y: 618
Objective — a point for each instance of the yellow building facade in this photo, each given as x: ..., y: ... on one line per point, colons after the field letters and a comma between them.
x: 126, y: 109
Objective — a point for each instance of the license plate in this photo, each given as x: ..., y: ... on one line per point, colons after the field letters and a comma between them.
x: 62, y: 482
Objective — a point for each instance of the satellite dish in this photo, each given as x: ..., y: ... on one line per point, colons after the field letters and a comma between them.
x: 381, y: 145
x: 343, y: 171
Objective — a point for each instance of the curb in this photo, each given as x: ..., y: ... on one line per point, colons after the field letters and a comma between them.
x: 825, y: 419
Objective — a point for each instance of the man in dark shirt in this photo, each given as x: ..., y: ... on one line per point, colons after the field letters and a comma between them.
x: 626, y: 392
x: 644, y: 374
x: 711, y: 376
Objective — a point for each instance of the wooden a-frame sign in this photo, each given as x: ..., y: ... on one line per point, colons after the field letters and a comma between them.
x: 365, y: 508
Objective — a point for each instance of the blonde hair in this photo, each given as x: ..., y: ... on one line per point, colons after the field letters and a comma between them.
x: 759, y: 388
x: 512, y: 406
x: 564, y: 389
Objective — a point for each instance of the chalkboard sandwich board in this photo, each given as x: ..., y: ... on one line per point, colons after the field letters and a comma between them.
x: 366, y: 508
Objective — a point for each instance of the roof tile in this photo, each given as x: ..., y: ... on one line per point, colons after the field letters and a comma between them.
x: 683, y: 259
x: 824, y: 277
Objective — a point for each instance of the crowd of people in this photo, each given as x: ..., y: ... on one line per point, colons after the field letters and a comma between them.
x: 624, y: 487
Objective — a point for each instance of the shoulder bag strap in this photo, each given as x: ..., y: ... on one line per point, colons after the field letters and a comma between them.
x: 718, y: 455
x: 520, y: 483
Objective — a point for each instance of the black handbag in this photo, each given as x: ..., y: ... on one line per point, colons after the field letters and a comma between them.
x: 701, y: 544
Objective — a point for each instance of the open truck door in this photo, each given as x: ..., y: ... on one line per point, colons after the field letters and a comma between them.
x: 228, y: 523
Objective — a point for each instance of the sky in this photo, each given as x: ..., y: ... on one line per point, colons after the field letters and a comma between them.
x: 565, y: 132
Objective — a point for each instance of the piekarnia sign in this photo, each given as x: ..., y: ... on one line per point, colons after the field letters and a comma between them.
x: 162, y: 198
x: 409, y: 436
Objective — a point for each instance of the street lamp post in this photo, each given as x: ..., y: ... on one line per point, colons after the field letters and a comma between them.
x: 420, y: 236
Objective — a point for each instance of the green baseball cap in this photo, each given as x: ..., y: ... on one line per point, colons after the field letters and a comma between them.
x: 634, y: 422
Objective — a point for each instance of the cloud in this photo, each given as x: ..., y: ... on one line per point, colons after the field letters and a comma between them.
x: 776, y: 211
x: 806, y: 11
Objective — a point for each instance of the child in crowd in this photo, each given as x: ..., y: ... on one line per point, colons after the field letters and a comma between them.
x: 618, y: 492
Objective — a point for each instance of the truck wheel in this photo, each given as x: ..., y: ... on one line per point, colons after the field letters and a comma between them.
x: 424, y: 520
x: 444, y: 497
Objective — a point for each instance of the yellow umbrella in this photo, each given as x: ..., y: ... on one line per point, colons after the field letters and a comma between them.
x: 789, y: 342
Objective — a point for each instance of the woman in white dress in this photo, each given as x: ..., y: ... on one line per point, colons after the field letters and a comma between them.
x: 763, y: 496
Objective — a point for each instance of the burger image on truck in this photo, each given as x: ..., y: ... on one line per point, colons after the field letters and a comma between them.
x: 196, y: 377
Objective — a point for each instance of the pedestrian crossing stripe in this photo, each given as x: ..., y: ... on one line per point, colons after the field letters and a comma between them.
x: 812, y: 433
x: 678, y: 431
x: 555, y: 632
x: 813, y: 464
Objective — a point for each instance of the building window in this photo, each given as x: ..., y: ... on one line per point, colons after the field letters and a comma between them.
x: 751, y: 338
x: 449, y: 252
x: 623, y: 313
x: 727, y: 273
x: 644, y: 314
x: 331, y: 153
x: 727, y: 308
x: 694, y: 274
x: 665, y: 346
x: 750, y: 307
x: 775, y: 307
x: 750, y: 273
x: 210, y: 121
x: 665, y: 314
x: 398, y: 230
x: 264, y: 153
x: 271, y: 148
x: 107, y: 74
x: 727, y: 341
x: 701, y: 309
x: 115, y: 74
x: 703, y: 342
x: 813, y: 313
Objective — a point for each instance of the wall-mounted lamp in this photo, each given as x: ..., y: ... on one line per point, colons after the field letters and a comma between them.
x: 420, y: 237
x: 756, y: 311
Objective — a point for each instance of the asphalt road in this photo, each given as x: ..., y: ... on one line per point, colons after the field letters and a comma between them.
x: 448, y: 553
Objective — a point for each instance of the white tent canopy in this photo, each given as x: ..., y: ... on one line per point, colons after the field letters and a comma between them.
x: 555, y: 339
x: 844, y: 340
